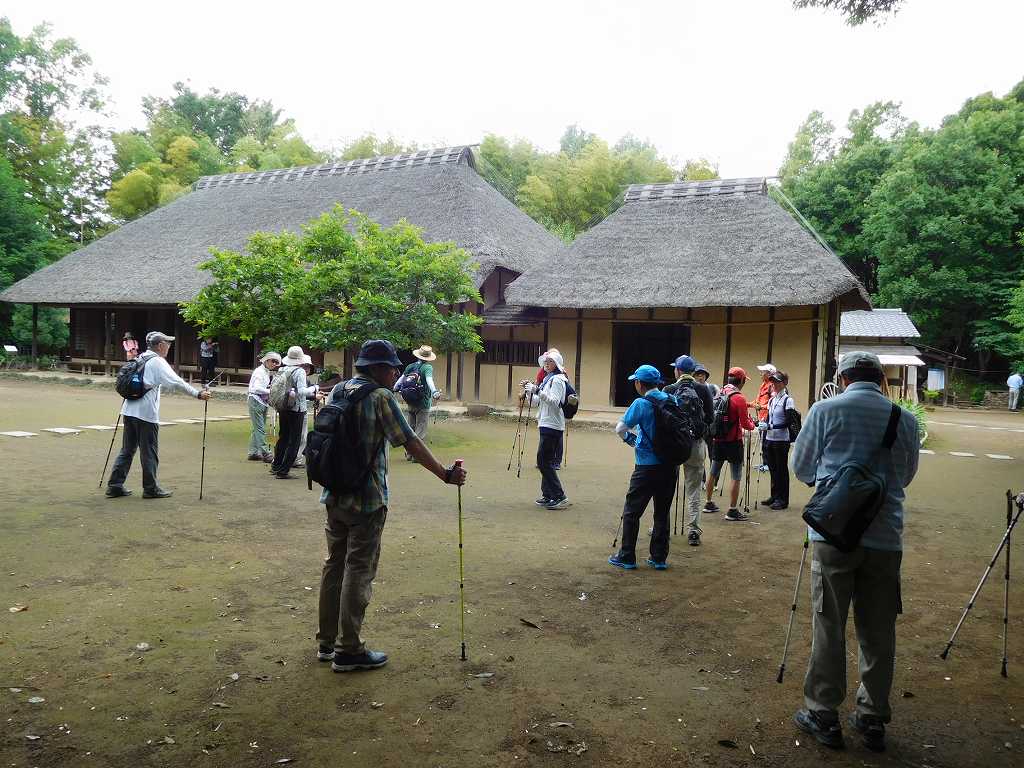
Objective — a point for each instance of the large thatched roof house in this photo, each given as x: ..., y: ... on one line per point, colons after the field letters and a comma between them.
x: 132, y: 279
x: 717, y: 269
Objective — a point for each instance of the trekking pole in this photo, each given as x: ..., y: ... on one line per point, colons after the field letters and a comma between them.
x: 1006, y: 586
x: 999, y: 550
x: 757, y: 485
x: 615, y: 541
x: 110, y: 449
x: 792, y: 610
x: 746, y: 484
x: 202, y: 464
x: 522, y: 441
x: 675, y: 524
x: 462, y: 584
x: 515, y: 440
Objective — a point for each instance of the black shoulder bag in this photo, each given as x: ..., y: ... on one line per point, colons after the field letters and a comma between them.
x: 845, y: 504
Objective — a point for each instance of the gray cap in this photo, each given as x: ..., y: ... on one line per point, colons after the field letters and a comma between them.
x: 155, y: 337
x: 859, y: 359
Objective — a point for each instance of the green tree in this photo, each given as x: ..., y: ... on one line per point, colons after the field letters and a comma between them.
x: 133, y: 195
x: 812, y: 145
x: 342, y: 280
x: 699, y: 169
x: 370, y: 145
x: 856, y: 12
x: 506, y: 164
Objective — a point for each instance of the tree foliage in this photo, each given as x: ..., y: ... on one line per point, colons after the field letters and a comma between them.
x: 370, y: 145
x: 191, y: 135
x: 343, y: 280
x: 856, y: 12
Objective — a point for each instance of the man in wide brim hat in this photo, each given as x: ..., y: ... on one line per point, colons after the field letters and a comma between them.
x: 355, y: 520
x: 416, y: 386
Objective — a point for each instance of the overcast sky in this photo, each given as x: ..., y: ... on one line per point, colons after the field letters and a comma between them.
x: 729, y: 80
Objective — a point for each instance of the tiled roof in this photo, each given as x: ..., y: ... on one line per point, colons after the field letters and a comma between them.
x: 884, y: 323
x: 367, y: 165
x: 755, y: 185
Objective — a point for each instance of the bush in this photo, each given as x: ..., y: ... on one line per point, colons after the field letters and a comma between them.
x: 978, y: 394
x: 918, y: 410
x: 932, y: 395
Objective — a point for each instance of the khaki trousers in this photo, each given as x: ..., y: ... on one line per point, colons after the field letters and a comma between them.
x: 693, y: 483
x: 346, y: 585
x: 870, y: 579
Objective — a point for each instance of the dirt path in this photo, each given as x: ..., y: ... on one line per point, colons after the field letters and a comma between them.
x: 649, y: 668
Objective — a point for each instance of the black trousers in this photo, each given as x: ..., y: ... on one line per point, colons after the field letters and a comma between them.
x: 142, y: 436
x: 287, y: 449
x: 776, y: 455
x: 549, y: 456
x: 657, y: 481
x: 207, y: 366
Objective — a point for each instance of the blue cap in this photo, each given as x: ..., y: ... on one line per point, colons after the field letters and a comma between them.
x: 686, y: 364
x: 647, y: 374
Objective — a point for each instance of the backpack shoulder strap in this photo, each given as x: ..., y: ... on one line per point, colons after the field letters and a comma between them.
x: 362, y: 391
x: 890, y: 430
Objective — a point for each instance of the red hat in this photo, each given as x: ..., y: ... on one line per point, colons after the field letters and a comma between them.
x: 738, y: 372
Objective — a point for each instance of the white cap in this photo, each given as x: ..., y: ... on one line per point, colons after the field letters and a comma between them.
x: 767, y: 368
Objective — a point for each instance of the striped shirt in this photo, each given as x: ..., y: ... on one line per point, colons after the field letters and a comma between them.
x: 379, y: 421
x: 849, y: 427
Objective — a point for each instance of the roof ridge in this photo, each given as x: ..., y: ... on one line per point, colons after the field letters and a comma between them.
x: 437, y: 156
x: 674, y: 189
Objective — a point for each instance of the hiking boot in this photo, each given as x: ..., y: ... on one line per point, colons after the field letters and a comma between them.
x: 157, y: 493
x: 871, y: 729
x: 711, y: 507
x: 349, y: 662
x: 561, y: 503
x: 779, y: 505
x: 299, y: 464
x: 543, y: 501
x: 769, y: 501
x: 282, y: 476
x: 693, y: 539
x: 254, y: 457
x: 824, y: 727
x: 116, y: 491
x: 735, y: 516
x: 623, y: 564
x: 324, y: 653
x: 658, y: 565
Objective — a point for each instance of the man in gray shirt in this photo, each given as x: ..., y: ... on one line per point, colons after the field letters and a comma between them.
x: 849, y: 427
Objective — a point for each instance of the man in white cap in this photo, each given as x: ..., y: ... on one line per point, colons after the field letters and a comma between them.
x: 853, y: 427
x: 416, y: 386
x: 142, y: 419
x: 292, y: 417
x: 259, y: 397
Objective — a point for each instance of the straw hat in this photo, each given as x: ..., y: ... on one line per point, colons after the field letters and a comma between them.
x: 424, y: 353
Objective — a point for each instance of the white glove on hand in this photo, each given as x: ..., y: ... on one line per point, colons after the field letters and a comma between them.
x: 762, y: 425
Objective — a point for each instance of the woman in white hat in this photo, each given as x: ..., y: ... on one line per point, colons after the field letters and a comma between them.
x: 416, y: 386
x: 259, y: 397
x: 292, y: 417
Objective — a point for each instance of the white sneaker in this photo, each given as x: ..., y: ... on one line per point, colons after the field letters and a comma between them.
x: 561, y: 503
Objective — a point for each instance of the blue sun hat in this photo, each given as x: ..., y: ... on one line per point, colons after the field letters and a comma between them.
x: 647, y: 374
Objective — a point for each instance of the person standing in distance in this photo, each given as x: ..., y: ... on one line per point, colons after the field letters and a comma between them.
x: 292, y: 417
x: 728, y: 446
x: 1014, y: 383
x: 355, y: 521
x: 208, y: 359
x: 851, y: 427
x: 259, y: 394
x: 142, y: 420
x: 419, y: 413
x: 548, y: 396
x: 775, y: 440
x: 650, y: 479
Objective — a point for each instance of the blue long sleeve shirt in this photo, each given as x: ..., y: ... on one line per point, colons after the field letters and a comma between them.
x: 851, y: 426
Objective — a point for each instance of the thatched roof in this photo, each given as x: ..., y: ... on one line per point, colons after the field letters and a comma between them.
x: 692, y: 244
x: 154, y: 259
x: 884, y: 323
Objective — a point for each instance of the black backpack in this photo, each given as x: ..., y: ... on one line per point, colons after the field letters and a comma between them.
x: 673, y: 438
x: 692, y: 406
x: 720, y: 422
x: 130, y: 384
x: 412, y: 386
x: 571, y: 403
x: 334, y: 452
x: 794, y: 421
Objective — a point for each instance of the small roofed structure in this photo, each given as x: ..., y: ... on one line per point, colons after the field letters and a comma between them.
x: 133, y: 278
x: 887, y: 333
x: 716, y: 269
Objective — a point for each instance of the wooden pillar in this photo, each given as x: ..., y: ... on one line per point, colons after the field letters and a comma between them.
x: 106, y: 342
x: 812, y: 387
x: 177, y: 342
x: 728, y: 343
x: 458, y: 384
x: 476, y: 376
x: 771, y: 333
x: 35, y: 334
x: 579, y: 354
x: 511, y: 338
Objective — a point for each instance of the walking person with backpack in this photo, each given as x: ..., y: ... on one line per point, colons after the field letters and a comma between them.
x: 259, y: 404
x: 416, y: 386
x: 730, y: 420
x: 139, y: 382
x: 775, y: 431
x: 348, y: 455
x: 695, y: 400
x: 288, y: 396
x: 656, y: 417
x: 550, y: 397
x: 858, y: 434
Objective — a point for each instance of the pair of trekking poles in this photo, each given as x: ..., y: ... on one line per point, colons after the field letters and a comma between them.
x: 520, y: 439
x: 202, y: 463
x: 1004, y: 544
